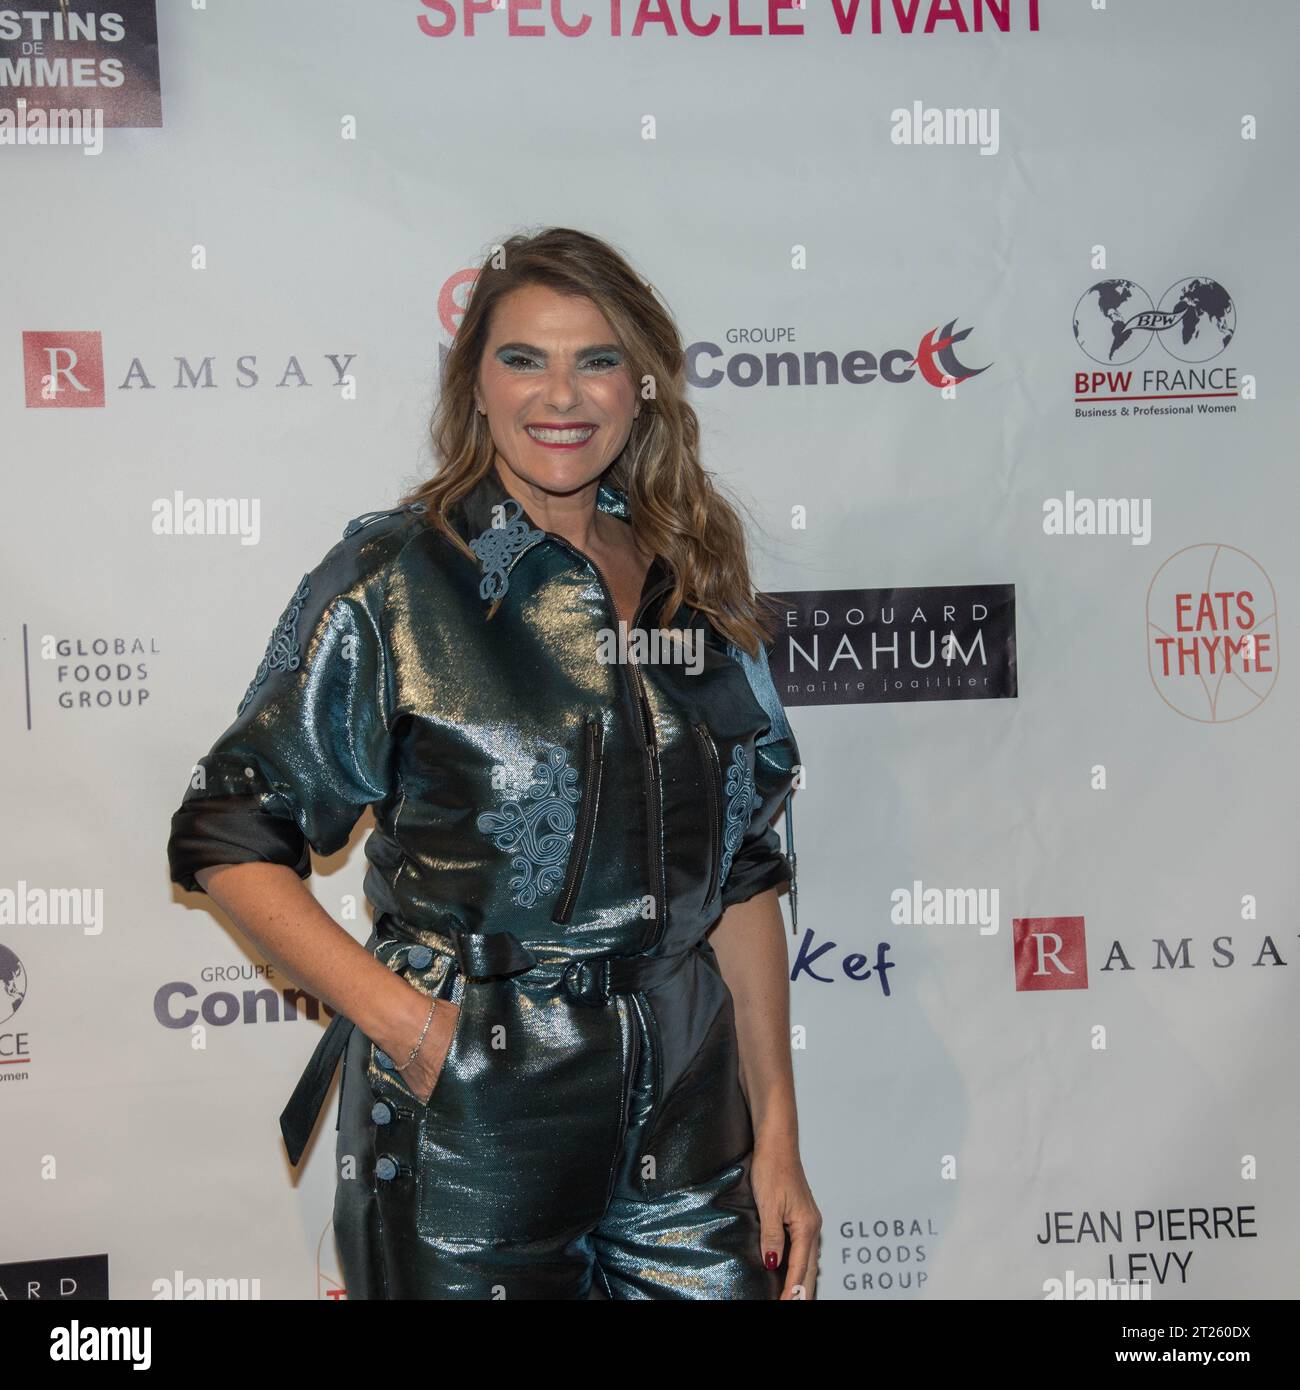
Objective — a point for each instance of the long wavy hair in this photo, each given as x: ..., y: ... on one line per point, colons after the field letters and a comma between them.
x: 675, y: 508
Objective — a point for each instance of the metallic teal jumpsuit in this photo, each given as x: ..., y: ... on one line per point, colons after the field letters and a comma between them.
x: 555, y: 836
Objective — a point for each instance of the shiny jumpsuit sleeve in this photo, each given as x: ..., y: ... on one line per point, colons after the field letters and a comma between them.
x: 311, y: 744
x: 554, y: 838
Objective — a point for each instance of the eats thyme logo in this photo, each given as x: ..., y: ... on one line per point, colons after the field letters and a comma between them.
x: 1212, y: 640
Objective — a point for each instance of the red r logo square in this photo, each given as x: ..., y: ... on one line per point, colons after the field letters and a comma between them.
x: 63, y: 371
x: 1050, y: 952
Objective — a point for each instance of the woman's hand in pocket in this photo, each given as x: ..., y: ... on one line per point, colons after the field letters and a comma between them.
x: 421, y: 1075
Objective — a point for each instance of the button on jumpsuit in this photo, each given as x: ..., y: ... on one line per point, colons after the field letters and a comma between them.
x: 555, y: 834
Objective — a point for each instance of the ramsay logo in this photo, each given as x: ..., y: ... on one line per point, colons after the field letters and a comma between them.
x: 1049, y: 952
x: 67, y: 369
x: 63, y: 370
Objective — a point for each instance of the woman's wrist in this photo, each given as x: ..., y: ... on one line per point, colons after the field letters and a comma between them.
x: 401, y: 1015
x: 777, y: 1139
x: 413, y: 1054
x: 775, y: 1121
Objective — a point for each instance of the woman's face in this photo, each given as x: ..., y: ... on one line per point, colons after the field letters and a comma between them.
x: 552, y: 360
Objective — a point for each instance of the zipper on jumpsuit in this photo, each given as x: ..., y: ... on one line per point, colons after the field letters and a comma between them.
x: 709, y: 753
x: 586, y: 819
x: 636, y: 689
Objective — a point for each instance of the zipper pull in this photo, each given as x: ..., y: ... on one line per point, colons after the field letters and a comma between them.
x: 366, y: 518
x: 647, y: 721
x: 790, y: 854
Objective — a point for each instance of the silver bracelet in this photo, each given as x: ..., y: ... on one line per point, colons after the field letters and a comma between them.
x: 432, y: 1005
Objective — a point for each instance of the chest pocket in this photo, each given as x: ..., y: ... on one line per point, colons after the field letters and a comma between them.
x: 548, y: 830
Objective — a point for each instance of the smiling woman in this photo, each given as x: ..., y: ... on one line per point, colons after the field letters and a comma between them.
x: 565, y: 1047
x: 559, y: 415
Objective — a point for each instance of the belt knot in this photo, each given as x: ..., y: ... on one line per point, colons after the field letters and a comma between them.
x: 587, y: 981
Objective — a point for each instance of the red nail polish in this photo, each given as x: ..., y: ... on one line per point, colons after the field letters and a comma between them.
x: 771, y: 1259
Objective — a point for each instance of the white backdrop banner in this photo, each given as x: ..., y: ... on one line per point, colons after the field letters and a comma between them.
x: 981, y: 301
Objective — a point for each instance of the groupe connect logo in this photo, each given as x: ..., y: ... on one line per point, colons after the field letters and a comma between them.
x: 1212, y: 638
x: 784, y: 361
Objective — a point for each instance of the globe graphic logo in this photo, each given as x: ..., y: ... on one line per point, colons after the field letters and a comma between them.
x: 1114, y: 320
x: 13, y: 979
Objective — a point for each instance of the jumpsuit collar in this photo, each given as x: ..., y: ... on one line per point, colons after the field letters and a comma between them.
x: 498, y: 548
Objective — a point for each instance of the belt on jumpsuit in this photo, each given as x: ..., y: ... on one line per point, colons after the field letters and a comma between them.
x: 586, y: 980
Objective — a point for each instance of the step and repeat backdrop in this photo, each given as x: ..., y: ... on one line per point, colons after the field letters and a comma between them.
x: 988, y: 318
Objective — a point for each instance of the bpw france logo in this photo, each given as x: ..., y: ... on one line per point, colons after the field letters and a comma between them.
x: 1115, y: 321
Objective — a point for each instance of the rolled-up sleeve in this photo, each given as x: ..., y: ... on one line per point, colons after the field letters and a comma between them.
x: 311, y: 744
x: 759, y: 862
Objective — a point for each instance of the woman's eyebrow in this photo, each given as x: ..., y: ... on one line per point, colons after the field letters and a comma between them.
x: 541, y: 352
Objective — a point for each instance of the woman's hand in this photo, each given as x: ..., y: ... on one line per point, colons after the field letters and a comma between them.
x: 750, y: 944
x: 785, y: 1203
x: 421, y: 1076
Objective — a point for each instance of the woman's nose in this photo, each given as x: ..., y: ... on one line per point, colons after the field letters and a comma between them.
x: 563, y: 389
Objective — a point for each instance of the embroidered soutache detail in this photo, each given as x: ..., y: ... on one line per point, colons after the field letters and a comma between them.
x: 282, y: 651
x: 741, y: 806
x: 498, y: 545
x: 539, y: 828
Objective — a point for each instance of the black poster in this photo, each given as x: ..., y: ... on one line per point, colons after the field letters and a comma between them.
x: 85, y: 56
x: 75, y: 1277
x: 865, y: 646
